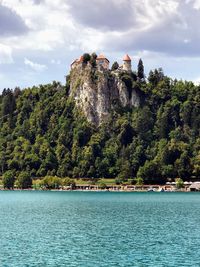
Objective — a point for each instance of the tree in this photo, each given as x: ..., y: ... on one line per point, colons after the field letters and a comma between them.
x: 151, y: 173
x: 179, y: 183
x: 43, y: 132
x: 24, y: 180
x: 86, y: 58
x: 139, y: 181
x: 8, y: 103
x: 125, y: 170
x: 156, y: 76
x: 115, y: 66
x: 102, y: 185
x: 8, y: 180
x: 93, y: 59
x: 140, y: 71
x: 51, y: 182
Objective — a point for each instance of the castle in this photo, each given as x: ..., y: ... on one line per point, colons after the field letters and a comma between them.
x: 103, y: 62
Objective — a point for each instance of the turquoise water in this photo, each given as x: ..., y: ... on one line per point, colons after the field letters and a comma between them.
x: 89, y: 229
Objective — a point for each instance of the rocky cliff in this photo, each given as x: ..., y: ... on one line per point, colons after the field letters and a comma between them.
x: 98, y: 91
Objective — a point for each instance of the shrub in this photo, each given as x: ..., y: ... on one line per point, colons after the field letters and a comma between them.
x: 69, y: 182
x: 24, y: 180
x: 102, y: 185
x: 118, y: 181
x: 179, y: 183
x: 8, y: 180
x: 51, y: 182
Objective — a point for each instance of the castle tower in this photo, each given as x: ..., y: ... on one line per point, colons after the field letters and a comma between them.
x: 127, y: 63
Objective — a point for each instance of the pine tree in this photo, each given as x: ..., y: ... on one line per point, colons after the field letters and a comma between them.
x: 115, y: 66
x: 140, y: 71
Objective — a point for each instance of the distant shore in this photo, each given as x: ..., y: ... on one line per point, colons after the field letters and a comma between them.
x: 98, y: 190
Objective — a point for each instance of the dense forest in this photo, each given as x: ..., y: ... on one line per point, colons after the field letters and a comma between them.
x: 43, y: 133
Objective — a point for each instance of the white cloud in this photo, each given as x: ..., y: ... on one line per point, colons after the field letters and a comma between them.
x: 158, y: 31
x: 5, y: 54
x: 121, y: 25
x: 55, y: 61
x: 35, y: 66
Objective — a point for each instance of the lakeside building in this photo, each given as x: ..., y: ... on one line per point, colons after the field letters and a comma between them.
x: 195, y: 186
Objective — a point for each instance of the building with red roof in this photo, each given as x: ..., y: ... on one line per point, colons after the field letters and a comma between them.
x: 76, y: 62
x: 126, y: 58
x: 127, y: 63
x: 102, y: 61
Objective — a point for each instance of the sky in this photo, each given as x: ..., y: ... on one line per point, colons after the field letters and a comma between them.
x: 40, y: 38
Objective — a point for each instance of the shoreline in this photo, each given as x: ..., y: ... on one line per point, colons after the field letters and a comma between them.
x: 102, y: 190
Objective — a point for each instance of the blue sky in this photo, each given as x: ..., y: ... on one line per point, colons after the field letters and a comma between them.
x: 40, y: 38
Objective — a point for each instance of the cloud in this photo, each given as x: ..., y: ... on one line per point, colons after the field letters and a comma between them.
x: 35, y: 66
x: 55, y: 61
x: 11, y: 23
x: 105, y: 15
x: 38, y: 2
x: 160, y: 31
x: 161, y: 26
x: 164, y: 27
x: 5, y: 54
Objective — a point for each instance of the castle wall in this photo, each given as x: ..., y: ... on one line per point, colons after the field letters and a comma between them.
x: 127, y: 65
x: 104, y: 63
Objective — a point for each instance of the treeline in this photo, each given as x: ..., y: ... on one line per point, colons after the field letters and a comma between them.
x: 24, y: 181
x: 42, y: 133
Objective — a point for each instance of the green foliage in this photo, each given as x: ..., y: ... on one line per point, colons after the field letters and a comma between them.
x: 118, y: 181
x: 51, y: 182
x: 156, y: 76
x: 140, y: 71
x: 179, y: 183
x: 139, y: 181
x: 45, y: 135
x: 93, y: 58
x: 8, y: 180
x: 102, y: 185
x: 24, y: 180
x: 86, y: 57
x: 115, y: 66
x: 69, y: 182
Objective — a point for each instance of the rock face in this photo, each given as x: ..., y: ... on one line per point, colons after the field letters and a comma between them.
x: 97, y: 92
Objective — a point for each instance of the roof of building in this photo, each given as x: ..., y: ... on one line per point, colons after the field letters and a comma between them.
x: 126, y: 58
x: 80, y: 59
x: 195, y: 185
x: 77, y: 60
x: 101, y: 56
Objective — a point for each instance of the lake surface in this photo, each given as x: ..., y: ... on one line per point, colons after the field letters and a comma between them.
x: 98, y: 229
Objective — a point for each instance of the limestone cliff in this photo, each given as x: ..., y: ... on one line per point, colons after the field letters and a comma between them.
x: 98, y: 91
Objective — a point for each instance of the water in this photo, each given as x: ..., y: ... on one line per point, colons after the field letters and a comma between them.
x: 89, y: 229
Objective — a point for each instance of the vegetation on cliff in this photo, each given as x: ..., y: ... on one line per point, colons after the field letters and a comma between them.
x: 42, y: 133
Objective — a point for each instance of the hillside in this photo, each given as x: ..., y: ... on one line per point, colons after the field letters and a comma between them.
x: 44, y: 131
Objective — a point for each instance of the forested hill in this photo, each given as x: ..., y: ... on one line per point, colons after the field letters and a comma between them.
x: 43, y: 133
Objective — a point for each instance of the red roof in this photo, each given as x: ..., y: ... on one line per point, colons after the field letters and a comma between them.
x: 101, y: 56
x: 77, y: 60
x: 80, y: 59
x: 126, y: 58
